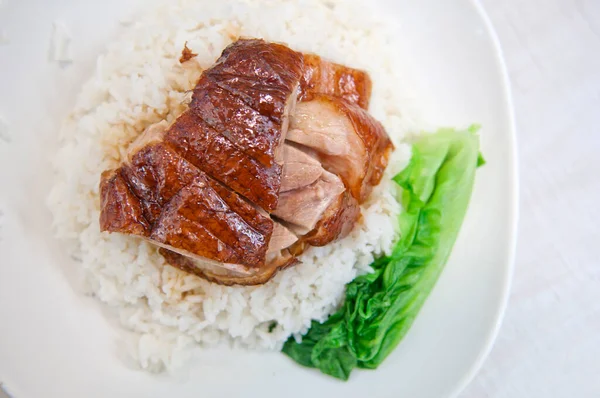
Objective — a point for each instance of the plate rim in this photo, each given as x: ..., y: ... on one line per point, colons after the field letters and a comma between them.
x: 512, y: 170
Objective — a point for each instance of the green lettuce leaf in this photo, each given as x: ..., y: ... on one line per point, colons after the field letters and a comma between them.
x: 380, y: 307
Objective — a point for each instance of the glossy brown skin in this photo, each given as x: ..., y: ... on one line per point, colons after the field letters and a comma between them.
x: 120, y: 209
x: 163, y: 197
x: 378, y: 144
x: 324, y: 77
x: 155, y: 174
x: 337, y: 222
x: 266, y: 65
x: 244, y: 95
x: 267, y: 99
x: 199, y: 221
x: 217, y: 156
x: 254, y: 134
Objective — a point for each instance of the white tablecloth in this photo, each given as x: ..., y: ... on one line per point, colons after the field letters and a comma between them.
x: 549, y: 343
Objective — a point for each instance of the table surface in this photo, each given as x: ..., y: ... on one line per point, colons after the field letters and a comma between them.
x: 549, y: 343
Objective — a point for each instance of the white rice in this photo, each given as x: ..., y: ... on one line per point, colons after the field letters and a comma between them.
x: 139, y: 81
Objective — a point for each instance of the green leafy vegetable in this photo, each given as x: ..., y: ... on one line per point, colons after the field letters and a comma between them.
x: 381, y: 306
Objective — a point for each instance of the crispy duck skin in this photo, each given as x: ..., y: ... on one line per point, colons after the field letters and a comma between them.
x: 324, y: 77
x: 262, y: 61
x: 253, y: 116
x: 185, y: 209
x: 197, y: 214
x: 120, y: 210
x: 243, y: 103
x: 218, y: 157
x: 254, y: 134
x: 155, y: 174
x: 278, y: 258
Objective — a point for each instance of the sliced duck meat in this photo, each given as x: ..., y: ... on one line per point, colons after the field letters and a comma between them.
x: 155, y: 172
x: 161, y: 196
x: 346, y: 140
x: 120, y: 210
x: 281, y: 238
x: 217, y: 156
x: 324, y: 77
x: 302, y: 208
x: 336, y: 222
x: 248, y: 94
x: 261, y: 61
x: 221, y: 191
x: 299, y: 169
x: 198, y: 220
x: 254, y: 134
x: 268, y: 99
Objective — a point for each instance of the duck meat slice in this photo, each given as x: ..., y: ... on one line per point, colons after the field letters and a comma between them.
x: 336, y: 222
x: 303, y: 207
x: 324, y: 77
x: 175, y: 205
x: 281, y: 238
x: 120, y: 210
x: 204, y: 188
x: 252, y: 133
x: 214, y: 154
x: 299, y: 169
x: 268, y: 62
x: 278, y: 257
x: 248, y: 94
x: 205, y: 220
x: 271, y: 100
x: 346, y: 140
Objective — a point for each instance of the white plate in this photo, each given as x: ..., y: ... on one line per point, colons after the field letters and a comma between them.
x: 55, y: 343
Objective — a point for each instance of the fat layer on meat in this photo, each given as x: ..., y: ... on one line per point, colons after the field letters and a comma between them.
x: 324, y: 77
